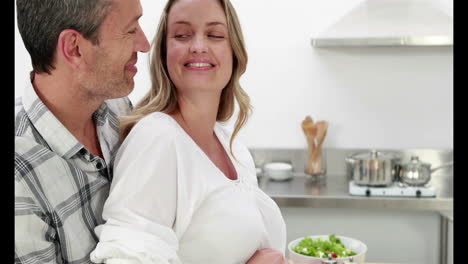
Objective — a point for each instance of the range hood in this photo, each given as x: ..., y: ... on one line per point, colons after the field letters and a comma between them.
x: 377, y: 23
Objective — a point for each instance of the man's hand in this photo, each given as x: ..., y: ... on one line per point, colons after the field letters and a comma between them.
x: 267, y: 256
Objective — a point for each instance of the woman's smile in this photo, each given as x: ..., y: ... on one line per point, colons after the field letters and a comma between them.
x: 199, y: 65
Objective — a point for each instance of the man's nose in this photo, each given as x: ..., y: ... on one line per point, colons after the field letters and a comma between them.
x: 142, y: 43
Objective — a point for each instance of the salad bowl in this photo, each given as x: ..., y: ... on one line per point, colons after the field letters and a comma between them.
x: 350, y: 243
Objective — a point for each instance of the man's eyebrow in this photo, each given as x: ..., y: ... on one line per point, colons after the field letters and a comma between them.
x: 133, y: 20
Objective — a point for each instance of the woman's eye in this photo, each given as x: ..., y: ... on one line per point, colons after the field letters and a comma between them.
x: 216, y: 36
x: 181, y: 36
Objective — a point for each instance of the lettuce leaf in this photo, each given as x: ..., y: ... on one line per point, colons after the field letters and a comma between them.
x: 322, y: 248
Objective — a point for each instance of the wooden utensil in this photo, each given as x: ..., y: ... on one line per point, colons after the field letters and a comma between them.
x: 316, y: 159
x: 310, y: 131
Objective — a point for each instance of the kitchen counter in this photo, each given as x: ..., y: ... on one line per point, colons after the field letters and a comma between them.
x: 332, y: 192
x: 448, y: 215
x: 325, y: 206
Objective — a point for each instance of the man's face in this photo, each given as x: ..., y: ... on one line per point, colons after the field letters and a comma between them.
x: 111, y: 64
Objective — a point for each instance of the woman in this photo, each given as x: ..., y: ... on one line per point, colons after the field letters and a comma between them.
x: 184, y: 191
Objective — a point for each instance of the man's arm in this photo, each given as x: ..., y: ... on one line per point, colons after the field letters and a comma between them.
x: 35, y: 233
x: 34, y: 236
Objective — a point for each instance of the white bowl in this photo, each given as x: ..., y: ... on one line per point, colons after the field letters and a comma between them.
x: 350, y: 243
x: 278, y: 171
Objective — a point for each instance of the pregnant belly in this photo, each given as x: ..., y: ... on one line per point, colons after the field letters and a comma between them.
x: 227, y: 228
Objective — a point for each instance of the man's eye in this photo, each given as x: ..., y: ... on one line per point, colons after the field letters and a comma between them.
x: 133, y: 31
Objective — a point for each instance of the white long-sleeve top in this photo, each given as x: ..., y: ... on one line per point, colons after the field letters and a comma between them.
x: 169, y: 203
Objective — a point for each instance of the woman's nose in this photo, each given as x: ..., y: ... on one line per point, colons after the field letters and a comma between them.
x: 198, y: 45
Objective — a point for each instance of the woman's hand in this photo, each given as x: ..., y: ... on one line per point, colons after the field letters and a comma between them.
x: 267, y: 256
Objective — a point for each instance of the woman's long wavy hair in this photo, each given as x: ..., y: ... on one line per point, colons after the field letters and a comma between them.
x: 162, y: 96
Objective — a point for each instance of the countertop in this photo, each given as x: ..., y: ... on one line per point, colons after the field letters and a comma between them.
x: 332, y: 192
x: 448, y: 215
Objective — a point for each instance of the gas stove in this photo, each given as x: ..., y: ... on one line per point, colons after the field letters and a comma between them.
x: 396, y: 189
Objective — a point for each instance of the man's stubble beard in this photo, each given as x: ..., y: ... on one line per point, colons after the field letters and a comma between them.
x: 103, y: 82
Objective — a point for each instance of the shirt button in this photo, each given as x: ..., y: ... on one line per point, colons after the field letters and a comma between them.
x: 83, y: 151
x: 99, y: 165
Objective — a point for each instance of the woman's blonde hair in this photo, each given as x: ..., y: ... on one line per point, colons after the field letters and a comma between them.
x: 162, y: 96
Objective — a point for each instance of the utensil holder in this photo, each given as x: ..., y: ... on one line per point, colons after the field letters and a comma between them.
x: 318, y: 164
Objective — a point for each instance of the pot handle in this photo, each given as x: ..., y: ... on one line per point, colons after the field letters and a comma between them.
x: 349, y: 160
x: 398, y: 167
x: 448, y: 164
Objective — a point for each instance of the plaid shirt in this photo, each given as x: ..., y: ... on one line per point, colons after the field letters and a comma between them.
x: 60, y: 187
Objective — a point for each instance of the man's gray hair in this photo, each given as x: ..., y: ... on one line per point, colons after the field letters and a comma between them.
x: 40, y: 23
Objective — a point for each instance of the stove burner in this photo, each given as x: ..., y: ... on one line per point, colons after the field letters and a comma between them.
x: 396, y: 189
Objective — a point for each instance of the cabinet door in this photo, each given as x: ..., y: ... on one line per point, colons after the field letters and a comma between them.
x: 392, y: 236
x: 450, y: 242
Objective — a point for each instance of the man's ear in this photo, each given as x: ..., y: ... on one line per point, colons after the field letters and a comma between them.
x: 70, y: 47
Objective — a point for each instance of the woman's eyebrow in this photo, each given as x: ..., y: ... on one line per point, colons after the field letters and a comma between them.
x: 182, y: 22
x: 214, y: 23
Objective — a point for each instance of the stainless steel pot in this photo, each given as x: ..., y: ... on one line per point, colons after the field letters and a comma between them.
x: 374, y: 168
x: 416, y: 172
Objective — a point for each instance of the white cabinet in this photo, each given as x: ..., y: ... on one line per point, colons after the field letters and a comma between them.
x: 450, y: 243
x: 447, y: 237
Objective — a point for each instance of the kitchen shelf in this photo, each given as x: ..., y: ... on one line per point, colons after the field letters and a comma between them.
x: 390, y: 23
x: 410, y: 41
x: 333, y: 192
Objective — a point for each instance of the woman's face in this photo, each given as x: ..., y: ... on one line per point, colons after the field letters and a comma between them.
x: 199, y: 54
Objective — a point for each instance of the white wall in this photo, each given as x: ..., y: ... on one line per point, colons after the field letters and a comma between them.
x: 372, y: 97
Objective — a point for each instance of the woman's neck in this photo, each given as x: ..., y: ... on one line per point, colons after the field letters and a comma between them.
x: 198, y: 118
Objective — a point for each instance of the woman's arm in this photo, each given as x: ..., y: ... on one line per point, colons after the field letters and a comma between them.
x: 267, y: 256
x: 141, y: 207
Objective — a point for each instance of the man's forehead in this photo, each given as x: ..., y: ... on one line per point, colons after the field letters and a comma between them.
x: 123, y: 13
x: 127, y: 9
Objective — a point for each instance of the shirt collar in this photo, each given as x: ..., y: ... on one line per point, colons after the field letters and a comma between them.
x: 57, y: 136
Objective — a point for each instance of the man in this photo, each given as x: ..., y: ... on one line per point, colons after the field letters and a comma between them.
x: 83, y: 54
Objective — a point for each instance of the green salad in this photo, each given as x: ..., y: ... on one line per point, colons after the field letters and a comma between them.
x: 323, y: 248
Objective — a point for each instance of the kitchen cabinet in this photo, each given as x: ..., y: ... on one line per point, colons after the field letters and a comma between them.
x: 450, y: 243
x: 393, y: 236
x: 447, y: 237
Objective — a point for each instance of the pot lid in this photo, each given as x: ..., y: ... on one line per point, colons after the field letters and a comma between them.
x: 375, y: 155
x: 415, y: 162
